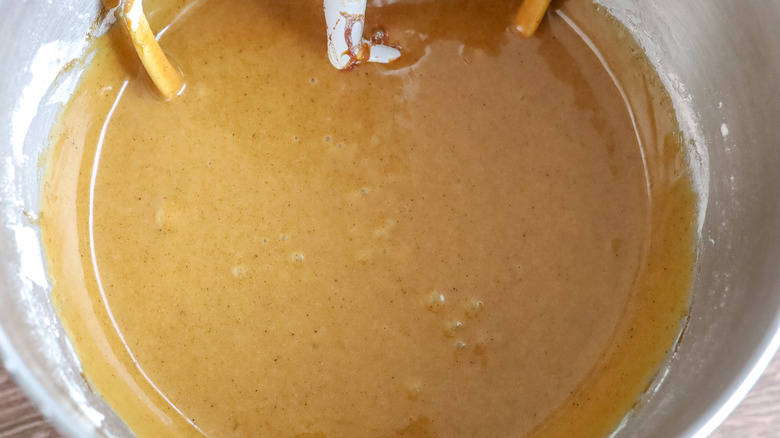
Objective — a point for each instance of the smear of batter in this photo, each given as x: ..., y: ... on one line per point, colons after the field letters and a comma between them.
x: 470, y: 241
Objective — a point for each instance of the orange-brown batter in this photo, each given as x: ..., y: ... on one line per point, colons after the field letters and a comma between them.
x: 467, y: 242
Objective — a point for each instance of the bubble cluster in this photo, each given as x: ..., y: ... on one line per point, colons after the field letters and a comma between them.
x: 453, y: 314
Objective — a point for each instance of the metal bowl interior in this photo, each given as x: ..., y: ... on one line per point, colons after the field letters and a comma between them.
x: 719, y: 61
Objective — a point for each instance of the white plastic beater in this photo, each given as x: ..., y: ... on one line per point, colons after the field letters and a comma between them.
x: 345, y: 20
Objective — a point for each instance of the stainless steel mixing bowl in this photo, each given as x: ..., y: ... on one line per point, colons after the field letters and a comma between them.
x: 719, y: 59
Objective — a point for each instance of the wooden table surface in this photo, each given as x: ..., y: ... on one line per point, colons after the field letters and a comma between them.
x: 758, y: 416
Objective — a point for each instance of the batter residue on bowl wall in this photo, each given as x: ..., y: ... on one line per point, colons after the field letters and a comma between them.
x: 467, y: 242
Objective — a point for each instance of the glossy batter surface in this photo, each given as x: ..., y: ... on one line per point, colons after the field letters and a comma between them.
x: 467, y: 242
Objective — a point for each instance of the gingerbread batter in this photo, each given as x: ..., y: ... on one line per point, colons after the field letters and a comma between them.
x: 469, y: 241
